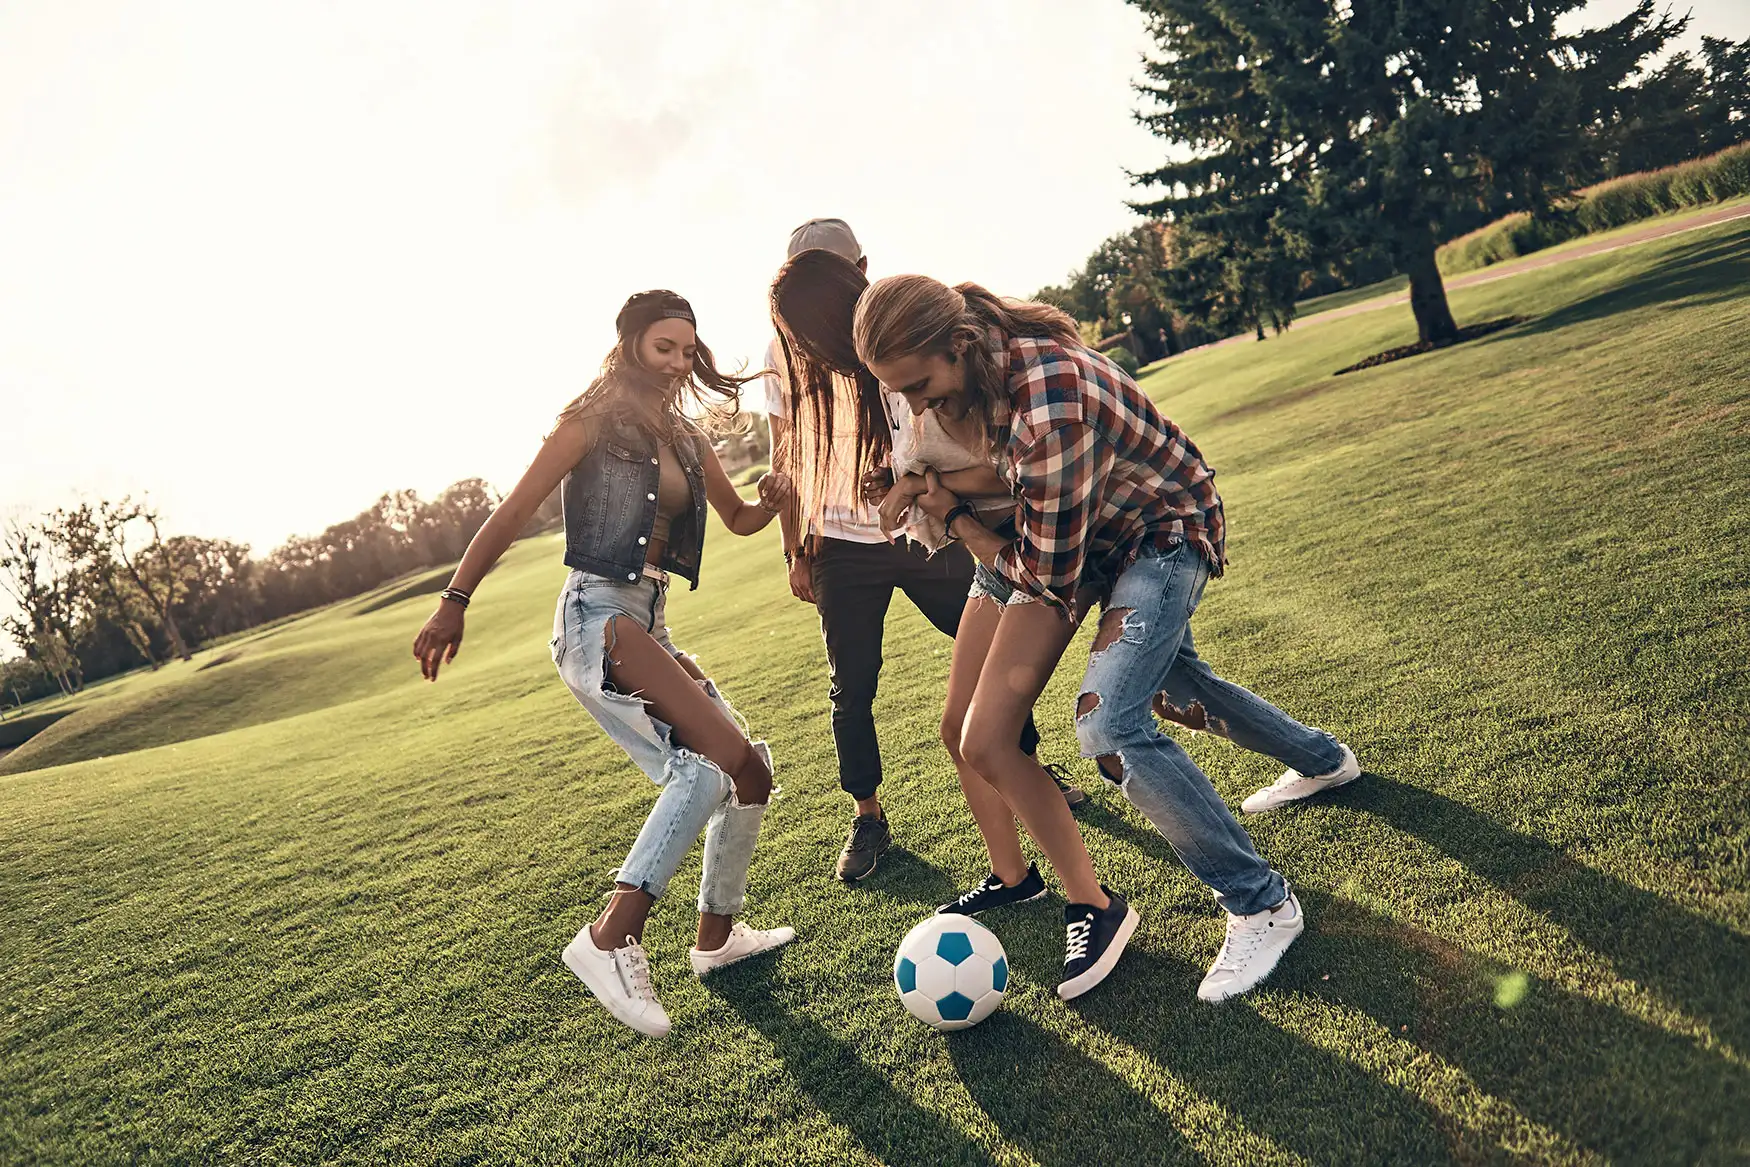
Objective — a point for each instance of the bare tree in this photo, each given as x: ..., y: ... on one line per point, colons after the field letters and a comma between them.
x: 40, y: 585
x: 81, y: 536
x: 154, y: 568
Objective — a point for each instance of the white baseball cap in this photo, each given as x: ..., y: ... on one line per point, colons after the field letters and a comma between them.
x: 832, y: 235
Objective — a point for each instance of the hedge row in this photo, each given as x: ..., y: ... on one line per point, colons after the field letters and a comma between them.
x: 1610, y: 204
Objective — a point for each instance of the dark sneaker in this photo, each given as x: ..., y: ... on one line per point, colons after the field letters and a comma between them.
x: 1074, y: 795
x: 994, y: 893
x: 1096, y: 940
x: 867, y: 843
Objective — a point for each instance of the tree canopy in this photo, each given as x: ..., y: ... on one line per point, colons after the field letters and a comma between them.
x: 1305, y: 128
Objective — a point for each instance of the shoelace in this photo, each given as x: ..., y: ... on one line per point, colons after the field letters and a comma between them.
x: 635, y: 970
x: 989, y: 885
x: 861, y: 829
x: 1242, y: 939
x: 1080, y: 932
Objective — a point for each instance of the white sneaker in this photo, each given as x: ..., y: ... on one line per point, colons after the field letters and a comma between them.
x: 620, y: 980
x: 1253, y: 946
x: 1293, y: 785
x: 743, y: 942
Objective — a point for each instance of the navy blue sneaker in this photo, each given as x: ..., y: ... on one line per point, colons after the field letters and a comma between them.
x: 994, y: 893
x: 1095, y: 941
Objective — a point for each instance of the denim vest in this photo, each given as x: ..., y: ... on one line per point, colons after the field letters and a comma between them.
x: 609, y: 502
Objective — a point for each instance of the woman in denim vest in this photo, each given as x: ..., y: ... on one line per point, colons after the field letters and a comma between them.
x: 637, y: 475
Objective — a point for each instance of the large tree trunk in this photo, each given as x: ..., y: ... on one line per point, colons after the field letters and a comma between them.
x: 1434, y: 323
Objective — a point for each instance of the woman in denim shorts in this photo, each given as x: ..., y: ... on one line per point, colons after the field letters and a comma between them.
x: 635, y: 476
x: 814, y: 300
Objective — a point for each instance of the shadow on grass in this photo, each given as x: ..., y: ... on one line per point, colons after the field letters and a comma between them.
x: 1145, y: 839
x: 1056, y: 1103
x: 1709, y: 271
x: 908, y: 879
x: 1605, y: 1080
x: 1691, y: 961
x: 1313, y: 1103
x: 1624, y: 1088
x: 888, y: 1124
x: 425, y: 585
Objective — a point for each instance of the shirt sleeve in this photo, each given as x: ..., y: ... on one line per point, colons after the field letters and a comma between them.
x: 773, y: 383
x: 1059, y: 479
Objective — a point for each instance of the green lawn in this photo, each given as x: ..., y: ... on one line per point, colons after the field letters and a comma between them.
x: 288, y: 903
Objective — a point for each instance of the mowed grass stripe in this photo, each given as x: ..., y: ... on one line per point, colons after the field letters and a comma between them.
x: 315, y: 912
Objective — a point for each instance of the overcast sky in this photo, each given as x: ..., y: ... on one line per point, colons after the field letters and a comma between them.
x: 268, y: 260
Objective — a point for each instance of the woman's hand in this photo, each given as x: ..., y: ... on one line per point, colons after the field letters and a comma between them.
x: 935, y: 499
x: 876, y: 484
x: 897, y: 499
x: 801, y: 573
x: 775, y: 490
x: 440, y: 640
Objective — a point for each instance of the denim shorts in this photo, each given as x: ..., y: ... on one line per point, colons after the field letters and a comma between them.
x: 988, y: 583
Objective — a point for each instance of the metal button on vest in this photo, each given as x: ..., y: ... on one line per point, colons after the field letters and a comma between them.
x: 633, y: 576
x: 642, y: 540
x: 655, y: 462
x: 651, y: 497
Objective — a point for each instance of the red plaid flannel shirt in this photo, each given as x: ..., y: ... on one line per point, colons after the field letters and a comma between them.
x: 1099, y: 474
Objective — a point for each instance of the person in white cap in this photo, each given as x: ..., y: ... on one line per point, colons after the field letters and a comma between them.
x: 841, y: 561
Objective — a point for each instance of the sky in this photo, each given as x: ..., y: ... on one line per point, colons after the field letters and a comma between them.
x: 267, y: 261
x: 264, y: 261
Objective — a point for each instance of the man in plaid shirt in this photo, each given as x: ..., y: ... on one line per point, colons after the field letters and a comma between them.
x: 1101, y: 476
x: 1114, y: 504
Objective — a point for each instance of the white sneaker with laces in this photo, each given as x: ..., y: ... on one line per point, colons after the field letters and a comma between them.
x: 743, y: 942
x: 1253, y: 946
x: 620, y: 980
x: 1293, y: 785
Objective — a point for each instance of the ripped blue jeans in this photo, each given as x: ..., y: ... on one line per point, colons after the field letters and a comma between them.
x: 1153, y: 654
x: 695, y: 795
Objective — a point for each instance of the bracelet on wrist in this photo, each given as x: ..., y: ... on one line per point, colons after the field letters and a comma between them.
x: 455, y: 596
x: 958, y: 510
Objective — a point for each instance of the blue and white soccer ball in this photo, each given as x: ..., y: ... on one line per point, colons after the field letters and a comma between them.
x: 951, y: 972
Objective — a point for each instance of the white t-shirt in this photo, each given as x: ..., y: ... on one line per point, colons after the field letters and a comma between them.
x: 842, y: 514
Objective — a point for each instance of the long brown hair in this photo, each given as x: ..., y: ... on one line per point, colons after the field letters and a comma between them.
x: 706, y: 399
x: 904, y: 315
x: 814, y: 300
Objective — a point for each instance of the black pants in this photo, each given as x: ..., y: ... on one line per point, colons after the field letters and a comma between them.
x: 853, y: 585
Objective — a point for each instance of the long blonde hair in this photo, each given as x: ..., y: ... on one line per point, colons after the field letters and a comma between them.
x: 900, y: 316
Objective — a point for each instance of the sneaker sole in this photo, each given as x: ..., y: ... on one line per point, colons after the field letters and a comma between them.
x: 636, y: 1024
x: 1070, y: 990
x: 1261, y: 977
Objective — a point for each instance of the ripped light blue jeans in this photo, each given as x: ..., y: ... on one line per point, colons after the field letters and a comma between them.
x: 695, y: 794
x: 1153, y: 654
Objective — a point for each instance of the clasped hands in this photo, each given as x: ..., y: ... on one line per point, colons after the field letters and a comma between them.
x: 894, y: 498
x: 775, y: 490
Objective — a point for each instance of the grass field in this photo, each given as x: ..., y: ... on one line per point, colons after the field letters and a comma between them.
x: 288, y: 903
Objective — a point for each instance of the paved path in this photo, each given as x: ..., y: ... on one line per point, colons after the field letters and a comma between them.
x: 1532, y: 262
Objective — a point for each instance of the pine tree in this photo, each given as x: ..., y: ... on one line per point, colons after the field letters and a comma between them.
x: 1327, y: 125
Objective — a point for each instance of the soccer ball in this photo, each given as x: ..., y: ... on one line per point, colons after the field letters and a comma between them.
x: 951, y: 972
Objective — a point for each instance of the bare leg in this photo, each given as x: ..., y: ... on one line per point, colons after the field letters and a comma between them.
x: 1029, y: 641
x: 638, y: 664
x: 996, y: 822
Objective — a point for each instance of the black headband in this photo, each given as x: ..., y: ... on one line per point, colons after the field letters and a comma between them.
x: 646, y: 308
